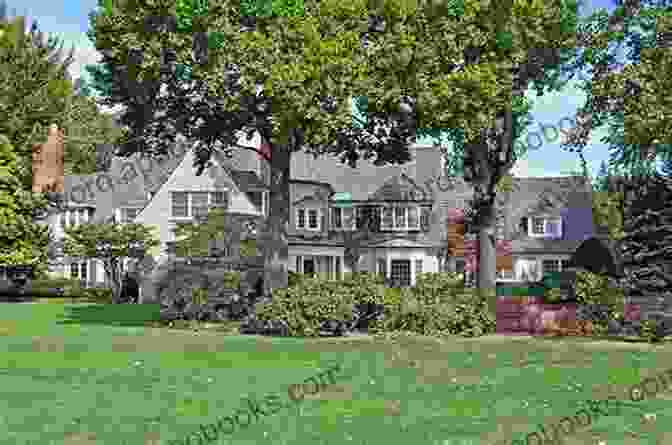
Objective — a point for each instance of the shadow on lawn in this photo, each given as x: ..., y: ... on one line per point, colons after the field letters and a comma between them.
x: 113, y: 314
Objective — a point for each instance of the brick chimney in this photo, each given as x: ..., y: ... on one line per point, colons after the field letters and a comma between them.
x: 48, y: 163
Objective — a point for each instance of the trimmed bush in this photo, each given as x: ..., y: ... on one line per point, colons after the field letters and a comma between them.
x: 440, y: 304
x: 315, y: 306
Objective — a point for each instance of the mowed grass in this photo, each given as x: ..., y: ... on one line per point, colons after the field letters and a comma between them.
x: 90, y: 374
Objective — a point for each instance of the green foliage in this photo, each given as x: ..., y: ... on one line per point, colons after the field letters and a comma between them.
x: 438, y: 305
x: 110, y: 243
x: 220, y: 230
x: 306, y: 306
x: 232, y: 279
x: 21, y: 240
x: 199, y: 296
x: 593, y: 288
x: 607, y: 212
x: 644, y: 111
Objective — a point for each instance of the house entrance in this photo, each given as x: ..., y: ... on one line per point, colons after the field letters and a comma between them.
x: 400, y: 272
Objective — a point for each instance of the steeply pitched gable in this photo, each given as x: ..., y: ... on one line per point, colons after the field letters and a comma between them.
x: 399, y: 188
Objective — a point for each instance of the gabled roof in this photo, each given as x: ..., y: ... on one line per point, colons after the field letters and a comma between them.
x: 399, y: 188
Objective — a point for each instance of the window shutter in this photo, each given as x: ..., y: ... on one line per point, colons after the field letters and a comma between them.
x: 323, y: 220
x: 559, y: 228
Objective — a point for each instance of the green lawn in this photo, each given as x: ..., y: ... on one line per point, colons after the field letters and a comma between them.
x: 87, y: 374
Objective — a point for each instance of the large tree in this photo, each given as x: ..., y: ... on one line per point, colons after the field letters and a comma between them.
x: 33, y: 91
x: 457, y: 67
x: 630, y: 98
x: 497, y: 53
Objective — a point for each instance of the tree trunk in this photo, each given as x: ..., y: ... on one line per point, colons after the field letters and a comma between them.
x: 487, y: 272
x: 274, y: 246
x: 113, y: 275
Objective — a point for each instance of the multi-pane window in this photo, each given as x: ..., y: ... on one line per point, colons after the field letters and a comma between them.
x: 400, y: 272
x: 336, y: 217
x: 549, y: 227
x: 195, y: 204
x: 78, y: 271
x: 301, y: 218
x: 424, y: 216
x: 401, y: 218
x: 554, y: 265
x: 313, y: 221
x: 538, y: 226
x: 412, y: 217
x: 218, y: 199
x: 418, y: 266
x: 180, y: 204
x: 199, y: 204
x: 550, y: 266
x: 387, y: 217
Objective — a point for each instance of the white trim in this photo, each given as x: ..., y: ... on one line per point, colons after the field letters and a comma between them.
x: 546, y: 219
x: 318, y: 217
x: 189, y: 216
x: 305, y: 213
x: 405, y: 227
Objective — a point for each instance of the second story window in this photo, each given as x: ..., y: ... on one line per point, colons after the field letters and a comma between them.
x: 179, y: 204
x: 337, y: 218
x: 400, y: 218
x: 301, y: 218
x: 542, y: 227
x: 313, y: 219
x: 538, y: 226
x: 199, y: 204
x: 195, y: 204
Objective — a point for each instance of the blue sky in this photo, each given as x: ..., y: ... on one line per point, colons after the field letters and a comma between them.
x: 68, y: 19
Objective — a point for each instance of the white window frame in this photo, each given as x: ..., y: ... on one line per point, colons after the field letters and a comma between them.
x: 405, y: 226
x: 211, y: 202
x: 81, y: 266
x: 558, y: 259
x: 546, y: 220
x: 318, y: 218
x: 334, y: 211
x: 305, y: 218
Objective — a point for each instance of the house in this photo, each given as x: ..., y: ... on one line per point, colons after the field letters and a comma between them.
x: 390, y: 220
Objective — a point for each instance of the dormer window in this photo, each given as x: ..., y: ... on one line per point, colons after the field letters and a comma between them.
x: 400, y: 218
x: 301, y: 218
x: 542, y: 226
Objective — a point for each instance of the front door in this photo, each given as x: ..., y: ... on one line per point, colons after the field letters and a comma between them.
x: 400, y: 273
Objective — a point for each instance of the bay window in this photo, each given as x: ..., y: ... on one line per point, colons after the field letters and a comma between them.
x: 400, y: 218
